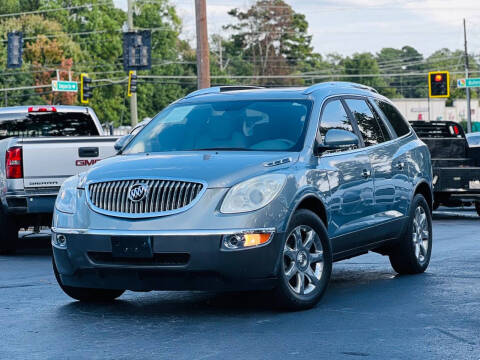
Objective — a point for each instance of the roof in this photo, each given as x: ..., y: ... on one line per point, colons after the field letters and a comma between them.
x: 248, y: 92
x: 60, y: 108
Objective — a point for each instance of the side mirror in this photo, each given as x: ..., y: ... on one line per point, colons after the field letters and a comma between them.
x: 338, y: 139
x: 121, y: 142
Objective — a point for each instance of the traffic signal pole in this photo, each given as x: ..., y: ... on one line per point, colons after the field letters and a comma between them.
x: 133, y: 98
x: 203, y: 54
x: 469, y: 112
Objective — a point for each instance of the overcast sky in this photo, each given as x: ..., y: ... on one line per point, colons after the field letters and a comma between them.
x: 349, y: 26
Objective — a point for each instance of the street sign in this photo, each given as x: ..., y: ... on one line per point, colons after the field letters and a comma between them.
x: 470, y: 82
x: 70, y: 86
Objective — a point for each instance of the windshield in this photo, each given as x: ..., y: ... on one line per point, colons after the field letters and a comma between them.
x: 264, y: 125
x: 46, y: 124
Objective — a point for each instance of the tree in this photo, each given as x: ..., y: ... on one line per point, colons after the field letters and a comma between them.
x: 273, y: 38
x: 365, y: 63
x: 402, y: 61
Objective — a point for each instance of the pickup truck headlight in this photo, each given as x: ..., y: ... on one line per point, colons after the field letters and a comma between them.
x: 253, y: 194
x: 67, y: 197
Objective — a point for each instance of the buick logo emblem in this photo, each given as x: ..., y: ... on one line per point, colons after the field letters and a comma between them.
x: 137, y: 192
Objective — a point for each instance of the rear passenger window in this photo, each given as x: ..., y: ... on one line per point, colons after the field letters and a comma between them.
x: 367, y: 123
x: 396, y: 119
x: 334, y: 116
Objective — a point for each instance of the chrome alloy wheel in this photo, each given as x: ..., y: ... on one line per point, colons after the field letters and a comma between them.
x: 303, y: 260
x: 421, y: 234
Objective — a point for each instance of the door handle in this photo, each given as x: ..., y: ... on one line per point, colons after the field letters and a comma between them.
x: 366, y: 174
x: 400, y: 165
x: 88, y: 152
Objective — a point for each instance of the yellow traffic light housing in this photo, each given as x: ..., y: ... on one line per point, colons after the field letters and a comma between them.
x: 85, y: 88
x: 439, y: 84
x: 132, y: 83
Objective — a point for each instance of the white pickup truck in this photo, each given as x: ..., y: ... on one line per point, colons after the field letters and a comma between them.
x: 41, y: 146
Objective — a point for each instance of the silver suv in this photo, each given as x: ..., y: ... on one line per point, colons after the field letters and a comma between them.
x: 240, y: 188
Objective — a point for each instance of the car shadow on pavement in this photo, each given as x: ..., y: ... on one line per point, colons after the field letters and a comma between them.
x: 348, y: 288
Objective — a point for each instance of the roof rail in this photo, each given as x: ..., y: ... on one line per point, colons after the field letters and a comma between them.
x: 323, y: 85
x: 220, y: 89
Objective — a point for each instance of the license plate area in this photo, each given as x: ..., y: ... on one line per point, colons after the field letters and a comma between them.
x: 474, y: 184
x: 138, y: 247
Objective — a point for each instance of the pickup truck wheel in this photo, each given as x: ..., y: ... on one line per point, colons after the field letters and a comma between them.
x: 477, y: 207
x: 9, y: 234
x: 305, y: 262
x: 87, y: 294
x: 411, y: 255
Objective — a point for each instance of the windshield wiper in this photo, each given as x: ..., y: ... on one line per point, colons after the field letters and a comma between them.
x: 222, y: 148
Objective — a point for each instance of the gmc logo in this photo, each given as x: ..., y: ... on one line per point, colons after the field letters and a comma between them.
x: 86, y: 162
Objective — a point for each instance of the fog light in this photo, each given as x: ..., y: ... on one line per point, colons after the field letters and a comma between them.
x: 246, y: 240
x: 60, y: 240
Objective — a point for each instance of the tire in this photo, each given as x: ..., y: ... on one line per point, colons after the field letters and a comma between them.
x: 87, y: 294
x: 8, y: 234
x: 411, y: 255
x: 305, y: 263
x: 477, y: 207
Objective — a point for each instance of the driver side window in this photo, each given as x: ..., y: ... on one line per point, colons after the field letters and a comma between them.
x: 334, y: 116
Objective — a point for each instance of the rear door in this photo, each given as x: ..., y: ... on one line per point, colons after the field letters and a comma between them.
x: 351, y: 186
x: 387, y: 164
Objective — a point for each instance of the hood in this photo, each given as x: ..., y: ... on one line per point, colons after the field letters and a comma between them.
x: 218, y: 169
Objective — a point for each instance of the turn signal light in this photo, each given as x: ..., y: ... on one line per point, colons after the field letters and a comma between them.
x: 255, y: 239
x: 13, y: 163
x: 245, y: 240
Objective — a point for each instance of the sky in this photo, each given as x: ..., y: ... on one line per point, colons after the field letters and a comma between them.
x: 349, y: 26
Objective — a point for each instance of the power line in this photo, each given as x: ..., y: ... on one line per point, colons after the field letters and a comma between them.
x: 54, y: 9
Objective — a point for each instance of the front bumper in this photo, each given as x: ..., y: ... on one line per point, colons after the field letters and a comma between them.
x: 183, y: 260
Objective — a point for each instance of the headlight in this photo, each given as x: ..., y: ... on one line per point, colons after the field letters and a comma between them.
x: 253, y: 194
x: 67, y: 197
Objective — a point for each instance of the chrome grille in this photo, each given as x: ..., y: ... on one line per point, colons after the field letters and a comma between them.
x: 162, y: 196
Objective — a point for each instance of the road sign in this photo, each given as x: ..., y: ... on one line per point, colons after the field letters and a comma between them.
x: 71, y: 86
x: 470, y: 82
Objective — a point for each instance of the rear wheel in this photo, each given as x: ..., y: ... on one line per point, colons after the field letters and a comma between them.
x: 477, y: 207
x: 8, y: 233
x: 305, y: 264
x: 87, y: 294
x: 411, y: 255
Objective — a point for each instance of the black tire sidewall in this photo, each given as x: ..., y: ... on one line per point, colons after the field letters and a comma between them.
x: 286, y: 297
x: 406, y: 246
x: 8, y: 234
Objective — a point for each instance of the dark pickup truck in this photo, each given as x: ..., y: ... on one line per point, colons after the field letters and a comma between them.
x: 456, y: 166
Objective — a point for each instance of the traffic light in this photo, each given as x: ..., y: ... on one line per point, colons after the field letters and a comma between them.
x: 85, y: 88
x: 14, y: 49
x: 132, y: 83
x: 439, y: 84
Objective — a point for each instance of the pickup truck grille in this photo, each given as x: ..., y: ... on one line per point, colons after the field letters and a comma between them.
x: 141, y: 198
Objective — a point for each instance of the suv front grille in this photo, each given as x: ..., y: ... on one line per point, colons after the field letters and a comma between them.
x: 160, y: 197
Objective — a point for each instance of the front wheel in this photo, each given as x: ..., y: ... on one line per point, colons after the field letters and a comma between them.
x: 305, y: 264
x: 411, y: 255
x: 87, y: 294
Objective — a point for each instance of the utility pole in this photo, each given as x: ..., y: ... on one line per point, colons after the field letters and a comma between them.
x: 469, y: 112
x: 203, y: 55
x: 133, y: 98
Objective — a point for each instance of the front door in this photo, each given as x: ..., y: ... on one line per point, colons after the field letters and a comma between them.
x: 351, y: 185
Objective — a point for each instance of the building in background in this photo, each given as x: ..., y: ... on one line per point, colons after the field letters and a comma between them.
x: 417, y: 109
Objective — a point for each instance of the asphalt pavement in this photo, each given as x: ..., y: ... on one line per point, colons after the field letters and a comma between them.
x: 368, y: 312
